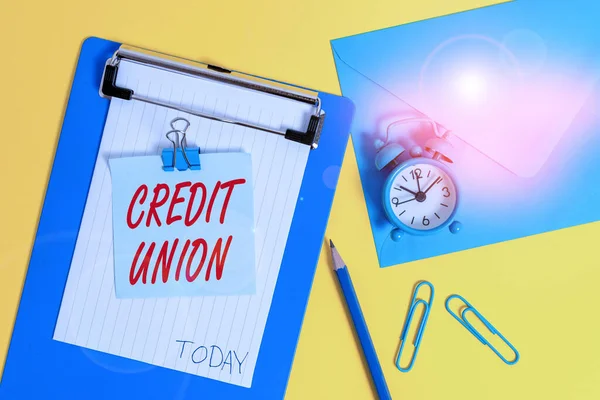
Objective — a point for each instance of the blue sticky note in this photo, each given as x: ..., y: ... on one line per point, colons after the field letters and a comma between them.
x: 183, y: 233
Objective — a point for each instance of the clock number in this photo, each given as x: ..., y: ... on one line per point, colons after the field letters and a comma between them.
x: 425, y: 221
x: 446, y: 191
x: 416, y: 173
x: 395, y: 201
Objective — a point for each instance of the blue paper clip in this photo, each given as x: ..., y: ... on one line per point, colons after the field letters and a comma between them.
x: 411, y: 312
x: 180, y: 156
x: 464, y: 322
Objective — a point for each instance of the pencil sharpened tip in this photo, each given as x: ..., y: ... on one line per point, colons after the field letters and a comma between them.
x: 331, y: 244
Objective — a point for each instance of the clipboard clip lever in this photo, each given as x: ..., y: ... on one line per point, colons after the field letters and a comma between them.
x: 414, y: 303
x: 180, y: 156
x: 462, y: 318
x: 110, y: 89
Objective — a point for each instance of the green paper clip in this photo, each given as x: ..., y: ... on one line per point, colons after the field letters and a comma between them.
x: 411, y: 312
x: 464, y: 322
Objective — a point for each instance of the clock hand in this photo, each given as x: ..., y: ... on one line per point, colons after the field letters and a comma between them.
x: 433, y: 183
x: 396, y: 202
x: 418, y: 184
x: 406, y: 201
x: 408, y: 190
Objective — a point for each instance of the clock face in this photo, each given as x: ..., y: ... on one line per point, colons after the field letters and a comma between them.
x: 422, y: 197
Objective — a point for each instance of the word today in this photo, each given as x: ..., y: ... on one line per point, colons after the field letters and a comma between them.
x: 212, y: 355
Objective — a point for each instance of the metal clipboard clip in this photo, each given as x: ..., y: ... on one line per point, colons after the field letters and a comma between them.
x: 180, y: 156
x: 414, y: 303
x: 110, y: 89
x: 464, y: 322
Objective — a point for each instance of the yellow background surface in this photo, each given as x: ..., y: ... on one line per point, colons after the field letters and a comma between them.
x: 541, y: 292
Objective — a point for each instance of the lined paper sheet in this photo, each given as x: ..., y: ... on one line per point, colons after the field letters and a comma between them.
x: 215, y: 337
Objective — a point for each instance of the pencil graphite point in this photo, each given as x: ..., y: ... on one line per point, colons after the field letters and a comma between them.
x: 337, y: 259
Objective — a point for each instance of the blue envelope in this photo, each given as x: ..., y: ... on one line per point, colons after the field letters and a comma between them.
x: 510, y: 93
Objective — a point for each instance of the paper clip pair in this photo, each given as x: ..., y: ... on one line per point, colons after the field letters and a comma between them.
x: 464, y: 322
x: 180, y: 156
x: 414, y: 303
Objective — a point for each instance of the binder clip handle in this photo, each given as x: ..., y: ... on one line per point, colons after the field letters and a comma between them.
x: 180, y: 156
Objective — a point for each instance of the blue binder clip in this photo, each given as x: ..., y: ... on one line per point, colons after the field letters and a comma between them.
x: 180, y: 156
x: 464, y: 322
x: 414, y: 303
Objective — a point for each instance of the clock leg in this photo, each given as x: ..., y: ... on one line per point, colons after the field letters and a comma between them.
x: 397, y: 234
x: 455, y: 227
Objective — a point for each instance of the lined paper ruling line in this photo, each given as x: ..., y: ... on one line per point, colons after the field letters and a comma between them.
x: 215, y: 337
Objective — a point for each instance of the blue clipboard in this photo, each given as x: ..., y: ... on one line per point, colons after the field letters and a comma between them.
x: 39, y: 367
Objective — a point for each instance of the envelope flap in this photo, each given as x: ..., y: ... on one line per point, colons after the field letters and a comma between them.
x: 502, y: 79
